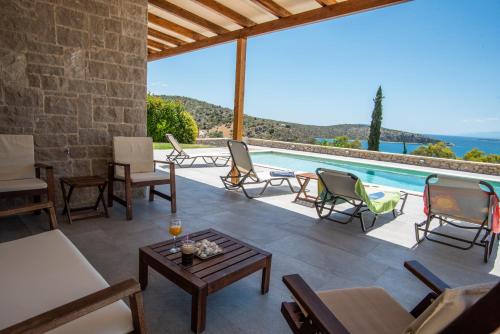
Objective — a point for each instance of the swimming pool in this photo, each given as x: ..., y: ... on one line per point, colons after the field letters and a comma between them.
x: 387, y: 176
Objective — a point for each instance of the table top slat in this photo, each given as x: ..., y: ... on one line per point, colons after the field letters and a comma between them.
x: 233, y: 268
x: 225, y: 264
x: 167, y: 245
x: 229, y: 253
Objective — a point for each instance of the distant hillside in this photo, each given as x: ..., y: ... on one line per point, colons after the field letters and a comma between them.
x: 212, y: 117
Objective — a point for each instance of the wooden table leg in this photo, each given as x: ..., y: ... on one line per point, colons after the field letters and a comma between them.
x: 101, y: 199
x: 199, y: 310
x: 67, y: 208
x: 143, y: 272
x: 266, y: 276
x: 303, y: 187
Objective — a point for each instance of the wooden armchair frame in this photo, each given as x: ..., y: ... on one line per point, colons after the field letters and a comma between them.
x: 73, y: 310
x: 127, y: 180
x: 480, y: 318
x: 37, y: 196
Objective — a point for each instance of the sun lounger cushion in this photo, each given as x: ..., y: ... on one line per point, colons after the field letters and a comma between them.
x: 447, y: 307
x: 17, y: 157
x: 152, y: 176
x: 366, y: 310
x: 22, y: 184
x: 136, y: 151
x: 44, y: 271
x: 380, y: 201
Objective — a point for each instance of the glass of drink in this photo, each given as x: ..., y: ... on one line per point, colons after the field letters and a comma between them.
x: 175, y: 229
x: 187, y: 249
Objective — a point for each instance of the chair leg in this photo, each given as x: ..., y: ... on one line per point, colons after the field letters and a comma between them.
x: 52, y: 217
x: 151, y: 193
x: 173, y: 195
x: 111, y: 172
x: 128, y: 199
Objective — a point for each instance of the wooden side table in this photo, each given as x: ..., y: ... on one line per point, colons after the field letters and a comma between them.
x: 303, y: 180
x: 205, y: 277
x: 84, y: 182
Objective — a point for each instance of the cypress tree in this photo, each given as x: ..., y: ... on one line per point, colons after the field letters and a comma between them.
x: 405, y: 150
x: 374, y: 138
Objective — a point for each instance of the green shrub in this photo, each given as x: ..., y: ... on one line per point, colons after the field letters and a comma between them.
x: 480, y: 156
x: 344, y: 142
x: 437, y: 150
x: 215, y: 134
x: 169, y: 116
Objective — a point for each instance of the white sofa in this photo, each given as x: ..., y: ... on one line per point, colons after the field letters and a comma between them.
x: 45, y: 271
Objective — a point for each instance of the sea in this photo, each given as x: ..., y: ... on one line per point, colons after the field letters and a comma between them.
x: 459, y: 145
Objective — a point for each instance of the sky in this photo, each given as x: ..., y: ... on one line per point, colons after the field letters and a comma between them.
x: 438, y: 62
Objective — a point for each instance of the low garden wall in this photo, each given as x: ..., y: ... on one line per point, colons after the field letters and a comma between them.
x: 456, y: 165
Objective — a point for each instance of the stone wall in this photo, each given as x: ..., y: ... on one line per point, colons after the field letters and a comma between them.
x: 457, y: 165
x: 73, y: 74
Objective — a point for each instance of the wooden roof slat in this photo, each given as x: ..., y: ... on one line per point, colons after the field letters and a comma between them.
x: 227, y: 12
x: 187, y: 15
x: 326, y: 2
x: 273, y: 8
x: 171, y: 39
x: 158, y: 45
x: 164, y: 23
x: 328, y: 12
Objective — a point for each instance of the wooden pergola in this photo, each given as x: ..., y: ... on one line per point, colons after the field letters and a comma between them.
x: 179, y: 26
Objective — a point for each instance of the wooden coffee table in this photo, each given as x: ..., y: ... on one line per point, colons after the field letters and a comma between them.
x: 204, y: 277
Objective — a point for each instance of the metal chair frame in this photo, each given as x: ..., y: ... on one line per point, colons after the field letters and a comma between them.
x: 469, y: 243
x: 329, y: 201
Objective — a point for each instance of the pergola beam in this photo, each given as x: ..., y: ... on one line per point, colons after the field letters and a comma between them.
x: 227, y: 12
x: 167, y: 38
x: 158, y: 45
x: 273, y: 8
x: 324, y: 13
x: 187, y: 15
x: 164, y: 23
x: 326, y: 2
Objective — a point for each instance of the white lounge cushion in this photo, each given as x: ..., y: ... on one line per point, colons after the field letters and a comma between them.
x: 447, y: 307
x: 142, y: 177
x: 136, y: 151
x: 44, y: 271
x: 17, y: 157
x: 22, y: 184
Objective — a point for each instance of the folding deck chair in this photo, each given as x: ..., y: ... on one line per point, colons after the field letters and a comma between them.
x: 246, y: 174
x: 340, y: 187
x: 462, y: 203
x: 179, y: 156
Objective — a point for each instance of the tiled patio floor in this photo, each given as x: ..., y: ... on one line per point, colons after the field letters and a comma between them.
x: 326, y: 254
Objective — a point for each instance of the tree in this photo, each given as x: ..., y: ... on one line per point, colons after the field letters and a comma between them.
x: 169, y: 116
x: 376, y: 124
x: 480, y: 156
x: 438, y: 150
x: 405, y: 150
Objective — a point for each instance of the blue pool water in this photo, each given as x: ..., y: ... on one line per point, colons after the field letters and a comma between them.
x: 394, y: 177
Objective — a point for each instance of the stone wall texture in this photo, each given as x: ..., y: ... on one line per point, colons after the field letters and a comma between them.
x: 456, y: 165
x: 73, y: 74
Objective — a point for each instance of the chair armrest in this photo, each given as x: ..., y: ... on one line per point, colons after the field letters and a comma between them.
x: 426, y: 276
x: 321, y: 316
x: 113, y: 163
x: 163, y: 162
x: 44, y: 166
x: 75, y: 309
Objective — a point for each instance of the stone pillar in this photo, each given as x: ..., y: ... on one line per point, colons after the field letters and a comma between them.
x: 73, y: 74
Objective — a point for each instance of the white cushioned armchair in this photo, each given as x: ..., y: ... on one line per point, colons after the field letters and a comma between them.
x: 134, y: 165
x: 47, y: 285
x: 20, y: 176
